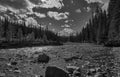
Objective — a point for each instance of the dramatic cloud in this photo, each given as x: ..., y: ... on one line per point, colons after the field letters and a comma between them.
x: 52, y: 3
x: 46, y: 12
x: 26, y: 6
x: 58, y: 16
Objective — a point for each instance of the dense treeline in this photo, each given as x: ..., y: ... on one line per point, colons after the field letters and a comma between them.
x: 96, y: 29
x: 16, y: 34
x: 114, y: 22
x: 103, y: 27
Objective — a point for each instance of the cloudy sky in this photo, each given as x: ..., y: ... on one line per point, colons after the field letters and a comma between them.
x: 59, y: 15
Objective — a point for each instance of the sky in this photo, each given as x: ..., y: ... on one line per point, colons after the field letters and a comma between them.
x: 59, y: 15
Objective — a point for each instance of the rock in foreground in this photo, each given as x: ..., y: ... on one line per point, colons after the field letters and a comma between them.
x: 43, y: 58
x: 55, y: 72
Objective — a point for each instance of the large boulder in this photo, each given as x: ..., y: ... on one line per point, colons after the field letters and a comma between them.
x: 52, y: 71
x: 43, y: 58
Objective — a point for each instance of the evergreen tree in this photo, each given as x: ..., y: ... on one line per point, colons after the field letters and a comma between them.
x: 94, y: 32
x: 20, y: 34
x: 32, y: 36
x: 9, y: 33
x: 1, y: 30
x: 111, y: 12
x: 5, y: 27
x: 45, y: 38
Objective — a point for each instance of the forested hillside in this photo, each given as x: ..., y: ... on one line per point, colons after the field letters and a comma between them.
x: 103, y: 27
x: 19, y: 34
x: 96, y: 30
x: 114, y: 24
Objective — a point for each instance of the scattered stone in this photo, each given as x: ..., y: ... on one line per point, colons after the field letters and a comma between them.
x: 13, y: 63
x: 37, y: 76
x: 41, y: 76
x: 2, y: 74
x: 98, y: 75
x: 43, y: 58
x: 92, y: 70
x: 76, y: 73
x: 8, y: 64
x: 55, y: 72
x: 72, y: 58
x: 3, y: 59
x: 103, y: 75
x: 71, y: 69
x: 16, y: 70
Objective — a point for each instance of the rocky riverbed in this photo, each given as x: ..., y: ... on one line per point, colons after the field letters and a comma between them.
x: 92, y: 60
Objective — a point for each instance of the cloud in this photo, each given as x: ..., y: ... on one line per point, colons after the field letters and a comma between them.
x: 44, y: 4
x: 26, y: 7
x: 78, y: 11
x: 93, y: 1
x: 103, y: 3
x: 66, y: 32
x: 30, y: 4
x: 54, y: 30
x: 3, y: 9
x: 22, y: 15
x: 58, y: 16
x: 23, y: 11
x: 65, y: 26
x: 40, y: 15
x: 105, y: 6
x: 67, y: 21
x: 17, y: 4
x: 52, y: 3
x: 88, y: 9
x: 72, y: 1
x: 31, y: 21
